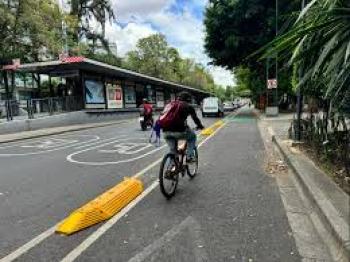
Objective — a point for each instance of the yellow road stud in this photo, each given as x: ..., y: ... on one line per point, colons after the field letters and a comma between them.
x: 219, y: 123
x: 103, y: 207
x: 207, y: 132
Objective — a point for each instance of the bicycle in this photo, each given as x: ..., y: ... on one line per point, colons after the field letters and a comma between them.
x: 172, y: 166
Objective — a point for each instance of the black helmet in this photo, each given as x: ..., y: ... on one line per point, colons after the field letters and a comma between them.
x: 185, y: 96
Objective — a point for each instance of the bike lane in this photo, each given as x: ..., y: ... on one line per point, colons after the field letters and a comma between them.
x: 39, y: 186
x: 232, y: 211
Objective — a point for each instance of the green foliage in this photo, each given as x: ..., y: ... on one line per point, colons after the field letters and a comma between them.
x: 237, y: 28
x: 319, y: 43
x: 107, y: 58
x: 86, y: 10
x: 150, y: 57
x: 153, y: 56
x: 248, y: 81
x: 30, y: 29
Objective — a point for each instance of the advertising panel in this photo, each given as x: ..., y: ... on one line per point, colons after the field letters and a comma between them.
x: 151, y: 94
x: 114, y: 95
x: 130, y: 96
x: 160, y: 98
x: 94, y: 93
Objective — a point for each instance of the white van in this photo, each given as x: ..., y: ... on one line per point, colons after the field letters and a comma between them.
x: 212, y: 106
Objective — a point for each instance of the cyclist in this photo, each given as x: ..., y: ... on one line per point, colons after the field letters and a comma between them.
x: 175, y: 116
x: 147, y: 110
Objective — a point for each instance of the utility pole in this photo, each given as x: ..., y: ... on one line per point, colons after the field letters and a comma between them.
x: 299, y: 98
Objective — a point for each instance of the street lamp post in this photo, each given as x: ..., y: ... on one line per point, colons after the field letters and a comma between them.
x: 299, y: 102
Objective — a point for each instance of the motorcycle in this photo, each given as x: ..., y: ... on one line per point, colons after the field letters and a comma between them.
x: 145, y: 121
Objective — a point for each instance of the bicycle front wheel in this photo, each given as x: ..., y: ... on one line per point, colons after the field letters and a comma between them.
x: 168, y: 176
x: 192, y: 168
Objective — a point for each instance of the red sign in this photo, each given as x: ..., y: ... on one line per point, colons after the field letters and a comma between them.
x: 15, y: 64
x: 271, y: 83
x: 118, y: 94
x: 72, y: 59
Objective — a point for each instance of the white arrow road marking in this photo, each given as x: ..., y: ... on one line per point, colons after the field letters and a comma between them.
x: 189, y: 225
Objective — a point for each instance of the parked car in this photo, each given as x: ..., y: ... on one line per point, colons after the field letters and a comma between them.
x: 212, y: 106
x: 228, y: 106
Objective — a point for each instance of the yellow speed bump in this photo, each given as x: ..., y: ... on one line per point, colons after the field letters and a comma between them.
x: 207, y: 132
x: 103, y: 207
x: 219, y: 123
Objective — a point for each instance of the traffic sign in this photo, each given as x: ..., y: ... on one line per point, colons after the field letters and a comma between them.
x: 271, y: 83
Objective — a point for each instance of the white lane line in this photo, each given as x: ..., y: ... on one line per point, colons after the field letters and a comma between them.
x: 23, y: 249
x: 189, y: 225
x: 105, y: 227
x: 75, y: 253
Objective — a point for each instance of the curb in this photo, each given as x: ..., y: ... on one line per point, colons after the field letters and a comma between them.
x: 103, y: 207
x: 63, y: 131
x: 332, y: 219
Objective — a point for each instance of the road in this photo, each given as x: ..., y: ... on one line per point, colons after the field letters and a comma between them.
x: 232, y: 211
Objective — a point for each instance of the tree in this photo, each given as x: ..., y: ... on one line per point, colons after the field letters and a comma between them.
x: 153, y: 56
x: 87, y: 11
x: 30, y: 29
x: 150, y: 56
x: 319, y: 44
x: 237, y: 28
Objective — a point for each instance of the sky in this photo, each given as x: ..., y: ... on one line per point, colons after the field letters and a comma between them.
x: 181, y: 21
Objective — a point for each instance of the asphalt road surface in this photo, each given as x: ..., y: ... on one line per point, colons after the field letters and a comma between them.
x: 232, y: 211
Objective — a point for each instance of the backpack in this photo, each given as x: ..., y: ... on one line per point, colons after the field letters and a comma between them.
x: 170, y: 115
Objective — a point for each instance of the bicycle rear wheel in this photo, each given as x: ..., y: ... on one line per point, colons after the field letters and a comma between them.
x: 192, y: 168
x: 168, y: 176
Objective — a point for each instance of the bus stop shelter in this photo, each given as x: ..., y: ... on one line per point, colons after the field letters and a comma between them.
x: 103, y: 87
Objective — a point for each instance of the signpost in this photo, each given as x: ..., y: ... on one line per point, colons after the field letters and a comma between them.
x: 272, y: 91
x: 272, y: 109
x: 271, y: 83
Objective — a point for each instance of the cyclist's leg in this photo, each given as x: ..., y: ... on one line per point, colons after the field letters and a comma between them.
x: 171, y: 141
x: 191, y: 138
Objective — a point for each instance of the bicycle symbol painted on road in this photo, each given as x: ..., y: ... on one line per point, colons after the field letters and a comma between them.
x: 127, y: 148
x: 114, y: 152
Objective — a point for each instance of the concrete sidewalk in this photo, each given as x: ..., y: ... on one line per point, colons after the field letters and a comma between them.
x: 328, y: 204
